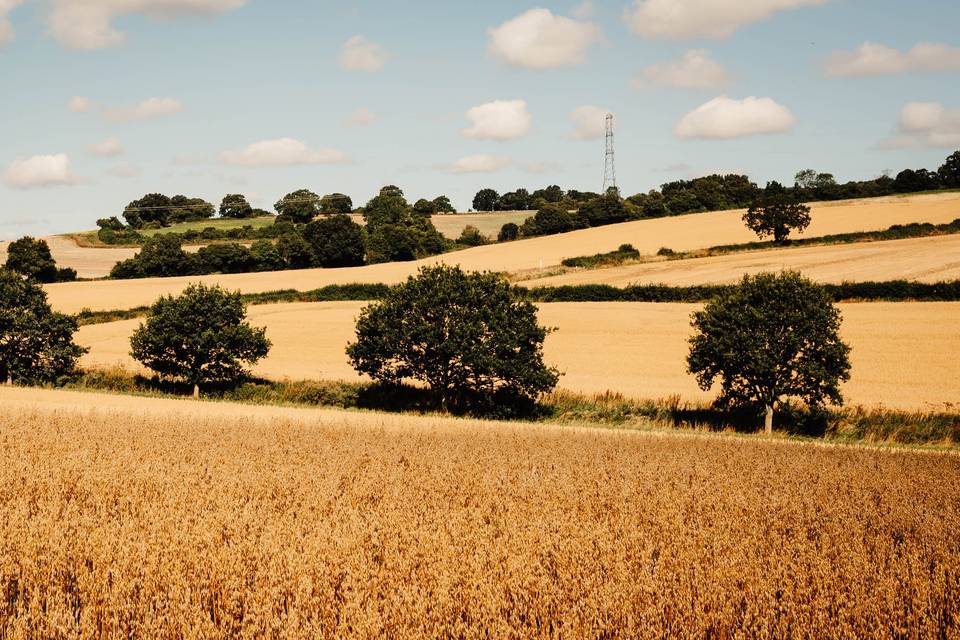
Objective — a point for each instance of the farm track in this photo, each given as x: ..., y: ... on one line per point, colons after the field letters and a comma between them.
x: 904, y: 354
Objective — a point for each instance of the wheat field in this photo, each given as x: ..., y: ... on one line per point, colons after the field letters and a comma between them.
x: 904, y: 353
x: 681, y: 233
x: 123, y: 517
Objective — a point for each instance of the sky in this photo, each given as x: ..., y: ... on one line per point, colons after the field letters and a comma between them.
x: 106, y: 100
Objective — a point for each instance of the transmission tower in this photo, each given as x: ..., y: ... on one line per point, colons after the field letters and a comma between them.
x: 609, y: 171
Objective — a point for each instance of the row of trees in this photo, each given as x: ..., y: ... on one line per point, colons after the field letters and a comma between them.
x: 523, y: 200
x: 32, y: 259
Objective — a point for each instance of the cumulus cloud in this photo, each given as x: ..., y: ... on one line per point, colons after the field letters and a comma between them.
x: 361, y: 118
x: 479, y: 163
x: 87, y: 24
x: 872, y: 59
x: 537, y: 39
x: 150, y: 108
x: 6, y: 30
x: 40, y: 171
x: 926, y: 124
x: 107, y: 148
x: 695, y: 70
x: 702, y: 18
x: 360, y: 54
x: 589, y: 122
x: 724, y: 117
x: 498, y: 120
x: 79, y: 104
x: 280, y: 152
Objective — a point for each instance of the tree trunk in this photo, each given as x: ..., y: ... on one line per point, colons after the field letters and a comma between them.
x: 9, y: 378
x: 196, y: 391
x: 768, y: 421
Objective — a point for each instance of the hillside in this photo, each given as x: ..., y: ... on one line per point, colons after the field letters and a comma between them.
x: 680, y: 233
x: 904, y: 354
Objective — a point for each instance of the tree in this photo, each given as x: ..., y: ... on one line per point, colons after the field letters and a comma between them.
x: 509, y: 231
x: 609, y: 208
x: 235, y: 205
x: 771, y: 337
x: 36, y: 343
x: 552, y: 194
x: 266, y: 257
x: 387, y: 208
x: 424, y: 207
x: 183, y: 209
x: 295, y: 251
x: 152, y: 209
x: 549, y: 220
x: 200, y: 336
x: 163, y: 256
x: 335, y: 203
x: 336, y: 241
x: 776, y: 214
x: 949, y: 172
x: 518, y: 200
x: 486, y: 200
x: 300, y: 206
x: 910, y: 181
x: 229, y: 257
x: 471, y: 237
x: 441, y: 204
x: 471, y: 337
x: 32, y: 258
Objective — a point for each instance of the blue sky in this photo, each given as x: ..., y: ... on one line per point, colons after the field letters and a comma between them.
x: 212, y: 77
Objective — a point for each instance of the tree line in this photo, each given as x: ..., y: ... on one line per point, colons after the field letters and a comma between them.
x: 472, y: 339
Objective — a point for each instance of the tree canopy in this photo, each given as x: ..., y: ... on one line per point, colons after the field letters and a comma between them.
x: 235, y: 205
x: 32, y: 258
x: 949, y: 172
x: 486, y: 200
x: 300, y: 206
x: 199, y: 337
x: 776, y: 214
x: 771, y: 337
x: 471, y: 337
x: 36, y: 343
x: 336, y: 241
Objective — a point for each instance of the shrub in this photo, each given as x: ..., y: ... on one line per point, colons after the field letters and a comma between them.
x: 509, y: 231
x: 471, y: 237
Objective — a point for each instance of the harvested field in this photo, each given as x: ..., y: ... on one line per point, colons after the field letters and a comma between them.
x: 89, y: 262
x: 680, y: 233
x: 142, y: 517
x: 904, y: 354
x: 921, y: 259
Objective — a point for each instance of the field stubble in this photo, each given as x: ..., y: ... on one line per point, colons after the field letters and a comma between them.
x: 125, y: 519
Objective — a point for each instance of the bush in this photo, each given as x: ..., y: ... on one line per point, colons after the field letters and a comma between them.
x: 470, y: 337
x: 508, y: 232
x: 471, y: 237
x: 623, y: 253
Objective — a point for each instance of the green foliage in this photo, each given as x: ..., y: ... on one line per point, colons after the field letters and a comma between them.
x: 508, y: 232
x: 471, y: 338
x: 156, y: 210
x: 388, y: 207
x: 609, y: 208
x: 31, y: 258
x: 949, y: 172
x: 910, y: 181
x: 335, y: 203
x: 777, y: 214
x: 184, y: 209
x: 623, y: 253
x: 486, y: 200
x: 36, y: 343
x: 471, y: 237
x: 773, y: 336
x: 226, y: 258
x: 295, y: 251
x: 336, y: 241
x: 441, y: 204
x: 424, y: 207
x: 518, y: 200
x: 235, y: 205
x: 395, y: 232
x: 163, y: 256
x: 300, y: 206
x: 551, y: 219
x: 200, y: 336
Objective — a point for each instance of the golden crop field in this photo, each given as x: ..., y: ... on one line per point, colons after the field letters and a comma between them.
x: 681, y: 233
x: 904, y: 353
x: 139, y: 517
x: 922, y: 259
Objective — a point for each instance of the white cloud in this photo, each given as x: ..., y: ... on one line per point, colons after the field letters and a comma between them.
x: 40, y: 171
x: 479, y: 163
x: 927, y: 124
x: 361, y: 118
x: 79, y: 104
x: 107, y: 148
x: 280, y: 152
x: 538, y: 39
x: 584, y: 10
x: 151, y: 108
x: 589, y: 122
x: 872, y: 59
x: 360, y: 54
x: 702, y: 18
x: 86, y: 24
x: 124, y: 170
x: 498, y: 120
x: 725, y: 117
x: 6, y: 30
x: 695, y: 70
